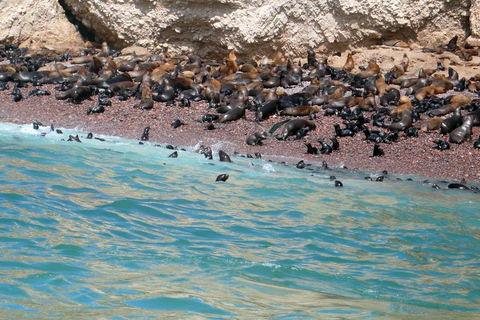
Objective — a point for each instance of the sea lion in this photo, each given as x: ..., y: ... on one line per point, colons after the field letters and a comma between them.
x: 377, y: 151
x: 404, y: 103
x: 74, y: 138
x: 372, y: 70
x: 368, y: 103
x: 404, y: 123
x: 222, y: 177
x: 97, y: 109
x: 145, y: 134
x: 390, y: 98
x: 462, y: 133
x: 177, y: 123
x: 292, y: 126
x: 17, y: 94
x: 207, y: 152
x: 77, y: 94
x: 224, y: 157
x: 164, y: 92
x: 346, y: 132
x: 300, y: 110
x: 455, y: 102
x: 146, y: 101
x: 457, y: 186
x: 335, y: 144
x: 256, y: 139
x: 450, y: 124
x: 326, y: 149
x: 415, y: 85
x: 209, y: 117
x: 349, y: 64
x: 232, y: 115
x: 428, y: 91
x: 311, y: 149
x: 267, y: 109
x: 476, y: 144
x: 38, y: 92
x: 441, y: 145
x: 431, y: 124
x: 382, y: 87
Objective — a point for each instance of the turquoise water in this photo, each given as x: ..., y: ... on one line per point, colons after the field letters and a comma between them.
x: 117, y: 230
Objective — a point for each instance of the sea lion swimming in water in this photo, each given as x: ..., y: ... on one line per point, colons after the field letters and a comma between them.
x: 224, y: 157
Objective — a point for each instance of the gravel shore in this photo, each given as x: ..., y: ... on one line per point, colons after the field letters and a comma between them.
x: 416, y: 156
x: 406, y: 156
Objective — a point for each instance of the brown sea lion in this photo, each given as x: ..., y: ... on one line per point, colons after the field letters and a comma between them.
x: 368, y: 103
x: 382, y: 87
x: 300, y: 110
x: 349, y: 64
x: 428, y: 91
x: 455, y: 102
x: 405, y: 62
x: 404, y: 102
x: 147, y: 101
x: 431, y: 124
x: 372, y: 70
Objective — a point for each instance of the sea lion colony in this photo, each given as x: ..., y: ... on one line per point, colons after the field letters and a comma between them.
x: 380, y: 106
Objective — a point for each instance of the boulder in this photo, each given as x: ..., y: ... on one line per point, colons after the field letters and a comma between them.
x: 37, y: 24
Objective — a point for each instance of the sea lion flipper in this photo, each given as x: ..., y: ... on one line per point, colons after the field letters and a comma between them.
x: 276, y: 126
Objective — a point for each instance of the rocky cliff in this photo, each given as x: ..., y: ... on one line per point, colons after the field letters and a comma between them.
x: 36, y: 24
x: 213, y: 27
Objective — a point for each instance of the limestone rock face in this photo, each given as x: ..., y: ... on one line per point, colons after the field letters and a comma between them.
x: 37, y: 23
x: 212, y: 27
x: 475, y: 18
x: 250, y: 27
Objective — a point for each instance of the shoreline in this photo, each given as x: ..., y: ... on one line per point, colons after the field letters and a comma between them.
x: 407, y: 156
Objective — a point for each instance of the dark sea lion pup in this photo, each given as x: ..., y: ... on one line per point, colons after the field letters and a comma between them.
x: 145, y: 134
x: 476, y: 144
x: 377, y: 151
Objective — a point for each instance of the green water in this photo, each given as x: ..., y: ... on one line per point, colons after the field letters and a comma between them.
x: 117, y: 230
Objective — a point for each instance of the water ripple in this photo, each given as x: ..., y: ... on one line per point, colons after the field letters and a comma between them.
x: 148, y: 236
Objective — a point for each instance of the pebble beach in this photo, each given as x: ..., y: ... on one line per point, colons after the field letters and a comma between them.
x: 408, y: 155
